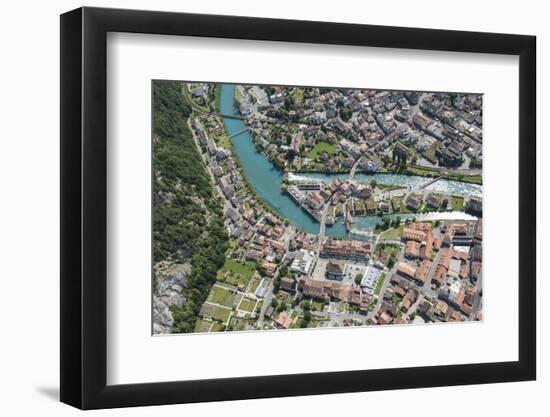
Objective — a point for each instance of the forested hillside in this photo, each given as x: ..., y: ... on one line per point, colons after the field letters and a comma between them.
x: 187, y: 216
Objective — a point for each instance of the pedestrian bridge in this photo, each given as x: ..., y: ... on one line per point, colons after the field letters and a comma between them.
x: 232, y: 116
x: 429, y: 183
x: 238, y: 133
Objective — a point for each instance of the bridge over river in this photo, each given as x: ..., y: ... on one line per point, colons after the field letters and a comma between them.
x: 266, y: 179
x: 429, y: 183
x: 232, y: 116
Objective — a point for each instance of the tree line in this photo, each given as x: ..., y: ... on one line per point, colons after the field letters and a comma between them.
x: 187, y: 215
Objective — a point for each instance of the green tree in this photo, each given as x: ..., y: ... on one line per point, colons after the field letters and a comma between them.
x: 391, y: 261
x: 358, y: 279
x: 276, y: 284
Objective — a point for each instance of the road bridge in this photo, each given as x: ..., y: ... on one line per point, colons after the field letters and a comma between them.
x: 232, y: 116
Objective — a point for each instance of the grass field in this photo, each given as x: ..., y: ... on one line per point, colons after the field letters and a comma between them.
x: 223, y: 141
x: 298, y: 95
x: 392, y: 234
x: 214, y: 312
x: 379, y: 283
x: 247, y: 304
x: 457, y: 203
x: 202, y: 326
x: 219, y: 295
x: 423, y: 171
x: 389, y: 187
x: 317, y: 305
x: 216, y: 327
x: 473, y: 179
x: 236, y: 273
x: 319, y: 148
x: 389, y: 248
x: 221, y: 314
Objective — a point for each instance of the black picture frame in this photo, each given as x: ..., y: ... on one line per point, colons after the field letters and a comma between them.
x: 84, y: 207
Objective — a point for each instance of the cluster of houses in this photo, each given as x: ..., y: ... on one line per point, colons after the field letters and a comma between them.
x: 346, y: 249
x: 257, y: 231
x: 398, y: 299
x: 332, y: 290
x: 456, y: 122
x: 300, y: 283
x: 451, y: 281
x: 437, y: 275
x: 361, y: 125
x: 354, y: 121
x: 341, y: 196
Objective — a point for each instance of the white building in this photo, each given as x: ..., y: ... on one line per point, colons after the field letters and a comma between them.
x: 303, y: 262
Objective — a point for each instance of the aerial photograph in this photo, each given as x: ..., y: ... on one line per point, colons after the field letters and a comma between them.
x: 297, y: 207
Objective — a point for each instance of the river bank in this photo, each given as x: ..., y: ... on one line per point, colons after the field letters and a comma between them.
x: 411, y: 171
x: 267, y: 180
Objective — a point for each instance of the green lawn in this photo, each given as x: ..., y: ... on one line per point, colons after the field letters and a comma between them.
x: 236, y: 273
x: 219, y: 295
x: 389, y: 248
x: 393, y: 233
x: 216, y: 327
x: 423, y: 171
x: 202, y: 326
x: 317, y: 305
x: 319, y: 148
x: 473, y: 179
x: 223, y: 141
x: 221, y: 314
x: 214, y: 312
x: 247, y: 304
x: 389, y: 187
x: 379, y: 283
x: 457, y: 203
x: 298, y: 95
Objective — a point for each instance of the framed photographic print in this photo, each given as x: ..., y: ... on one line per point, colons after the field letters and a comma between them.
x: 257, y: 208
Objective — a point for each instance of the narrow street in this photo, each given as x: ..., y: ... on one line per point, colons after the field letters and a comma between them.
x: 387, y: 279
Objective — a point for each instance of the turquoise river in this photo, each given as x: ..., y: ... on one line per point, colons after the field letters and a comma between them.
x: 266, y: 179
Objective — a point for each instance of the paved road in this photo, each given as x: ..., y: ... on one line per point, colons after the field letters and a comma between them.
x: 387, y: 279
x: 477, y: 298
x: 435, y: 262
x: 425, y: 289
x: 388, y: 241
x: 206, y: 162
x: 266, y: 303
x: 269, y: 291
x: 354, y: 168
x: 322, y: 228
